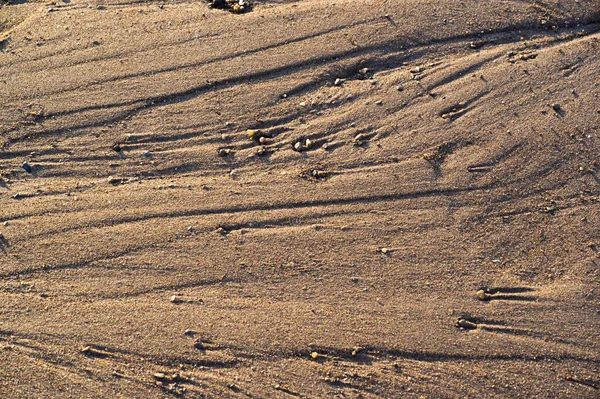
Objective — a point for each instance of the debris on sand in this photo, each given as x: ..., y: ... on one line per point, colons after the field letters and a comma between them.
x: 189, y: 332
x: 301, y: 144
x: 199, y: 345
x: 465, y: 324
x: 115, y: 181
x: 223, y: 152
x: 477, y: 44
x: 525, y: 55
x: 589, y: 382
x: 234, y: 6
x: 318, y: 174
x: 363, y: 73
x: 482, y: 295
x: 27, y: 167
x: 416, y: 72
x: 262, y: 151
x: 310, y: 174
x: 259, y: 136
x: 360, y: 139
x: 161, y: 379
x: 90, y: 351
x: 550, y: 209
x: 223, y: 231
x: 449, y: 112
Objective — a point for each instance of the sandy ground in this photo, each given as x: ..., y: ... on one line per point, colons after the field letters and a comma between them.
x: 170, y: 241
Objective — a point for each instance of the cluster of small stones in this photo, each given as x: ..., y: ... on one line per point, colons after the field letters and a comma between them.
x: 235, y: 6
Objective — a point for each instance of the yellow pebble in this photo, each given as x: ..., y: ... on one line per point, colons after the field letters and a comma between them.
x: 482, y: 295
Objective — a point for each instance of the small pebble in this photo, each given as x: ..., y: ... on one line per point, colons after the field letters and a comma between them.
x: 360, y: 139
x: 251, y: 133
x: 476, y: 45
x: 198, y: 345
x: 174, y: 299
x: 319, y: 174
x: 482, y: 295
x: 338, y: 82
x: 466, y: 324
x: 27, y: 167
x: 114, y: 180
x: 314, y: 355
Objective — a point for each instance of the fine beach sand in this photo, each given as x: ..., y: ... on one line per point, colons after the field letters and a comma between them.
x: 448, y: 170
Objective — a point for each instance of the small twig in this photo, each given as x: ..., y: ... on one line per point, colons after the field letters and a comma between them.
x: 587, y: 383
